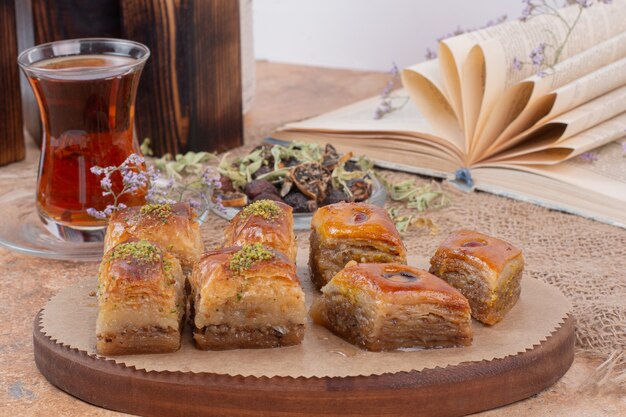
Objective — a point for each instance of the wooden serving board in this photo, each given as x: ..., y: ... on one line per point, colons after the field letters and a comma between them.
x: 451, y: 391
x: 534, y: 347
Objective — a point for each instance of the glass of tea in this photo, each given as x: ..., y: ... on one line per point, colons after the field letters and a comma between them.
x: 85, y: 90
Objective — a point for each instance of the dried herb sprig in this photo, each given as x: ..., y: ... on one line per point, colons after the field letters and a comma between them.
x: 186, y: 177
x: 403, y: 221
x: 389, y: 101
x: 134, y: 177
x: 545, y: 55
x: 419, y: 197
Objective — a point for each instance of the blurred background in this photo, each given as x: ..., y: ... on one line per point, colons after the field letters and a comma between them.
x: 364, y: 34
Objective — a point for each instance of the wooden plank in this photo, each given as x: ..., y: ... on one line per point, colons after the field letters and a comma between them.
x: 190, y: 94
x: 442, y: 392
x: 55, y: 20
x: 11, y: 131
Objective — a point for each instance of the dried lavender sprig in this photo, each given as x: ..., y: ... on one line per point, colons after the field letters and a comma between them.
x: 537, y: 56
x: 387, y: 98
x: 133, y: 179
x: 431, y: 54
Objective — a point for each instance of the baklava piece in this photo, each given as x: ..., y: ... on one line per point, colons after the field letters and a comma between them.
x: 246, y: 297
x: 172, y: 226
x: 485, y: 269
x: 264, y: 221
x: 141, y: 300
x: 345, y: 232
x: 393, y: 306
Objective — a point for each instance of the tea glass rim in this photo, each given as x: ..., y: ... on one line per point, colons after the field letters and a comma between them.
x: 67, y: 48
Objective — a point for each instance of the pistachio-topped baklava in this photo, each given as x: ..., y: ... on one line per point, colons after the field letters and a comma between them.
x: 392, y: 306
x: 264, y: 221
x: 140, y: 299
x: 172, y: 226
x: 485, y: 269
x: 246, y: 297
x: 345, y: 232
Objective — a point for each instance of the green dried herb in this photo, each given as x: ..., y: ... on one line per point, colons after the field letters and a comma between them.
x: 248, y: 255
x: 421, y: 198
x: 183, y: 165
x: 340, y: 176
x: 403, y: 222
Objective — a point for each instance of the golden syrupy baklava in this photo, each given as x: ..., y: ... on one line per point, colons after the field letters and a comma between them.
x: 246, y: 297
x: 345, y: 232
x: 141, y: 300
x: 264, y: 221
x: 392, y: 306
x: 172, y: 226
x: 486, y: 270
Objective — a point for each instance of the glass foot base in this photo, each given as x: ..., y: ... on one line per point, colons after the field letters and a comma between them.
x: 71, y: 233
x: 23, y: 231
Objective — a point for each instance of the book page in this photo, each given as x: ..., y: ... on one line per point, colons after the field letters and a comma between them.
x: 569, y: 124
x: 572, y: 82
x: 591, y: 189
x: 503, y: 43
x: 552, y: 154
x: 359, y: 117
x: 425, y: 87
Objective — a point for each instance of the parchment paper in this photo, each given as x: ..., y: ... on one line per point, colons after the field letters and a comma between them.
x: 69, y: 318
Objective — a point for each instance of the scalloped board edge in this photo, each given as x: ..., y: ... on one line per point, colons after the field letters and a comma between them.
x: 441, y: 392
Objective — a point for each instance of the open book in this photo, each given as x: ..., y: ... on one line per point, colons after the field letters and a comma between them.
x: 475, y: 118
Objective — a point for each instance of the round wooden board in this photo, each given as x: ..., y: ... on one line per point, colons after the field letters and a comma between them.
x: 451, y: 391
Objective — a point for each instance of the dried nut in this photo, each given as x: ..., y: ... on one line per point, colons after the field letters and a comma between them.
x: 226, y: 184
x: 299, y: 202
x: 312, y: 179
x: 361, y: 190
x: 331, y: 157
x: 234, y: 199
x: 336, y: 196
x: 265, y: 169
x: 256, y: 187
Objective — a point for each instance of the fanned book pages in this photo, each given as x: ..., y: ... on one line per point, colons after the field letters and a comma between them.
x: 480, y: 115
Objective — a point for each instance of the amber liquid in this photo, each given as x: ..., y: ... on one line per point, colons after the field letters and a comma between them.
x: 87, y: 119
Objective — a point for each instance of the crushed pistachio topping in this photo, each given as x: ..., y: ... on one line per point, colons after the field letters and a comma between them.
x: 248, y: 255
x: 267, y: 209
x: 141, y: 250
x: 160, y: 210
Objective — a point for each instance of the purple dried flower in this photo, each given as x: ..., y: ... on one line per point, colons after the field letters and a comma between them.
x: 584, y: 3
x: 134, y: 159
x: 195, y: 204
x: 517, y: 64
x: 624, y: 147
x: 106, y: 183
x: 97, y: 170
x: 606, y: 1
x: 383, y: 108
x: 394, y: 71
x: 588, y: 157
x: 211, y: 178
x: 218, y: 204
x: 430, y: 54
x: 95, y: 213
x: 537, y: 56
